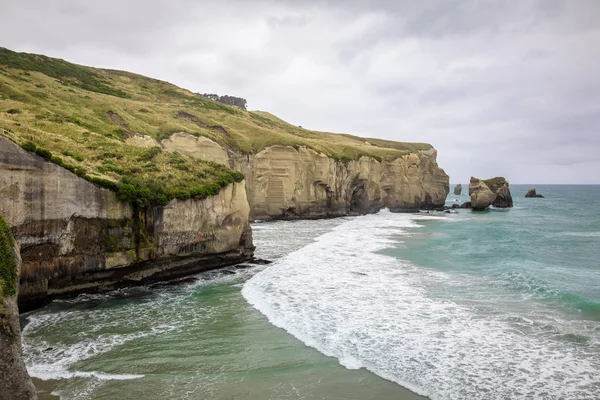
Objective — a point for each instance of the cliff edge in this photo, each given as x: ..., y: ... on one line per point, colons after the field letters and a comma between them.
x: 75, y: 236
x: 284, y: 182
x: 15, y: 383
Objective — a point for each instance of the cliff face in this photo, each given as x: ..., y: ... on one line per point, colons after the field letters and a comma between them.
x: 285, y: 183
x: 15, y: 383
x: 75, y: 236
x: 288, y: 183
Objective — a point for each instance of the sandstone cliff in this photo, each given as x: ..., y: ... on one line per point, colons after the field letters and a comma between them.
x: 75, y: 236
x: 15, y: 383
x: 284, y: 182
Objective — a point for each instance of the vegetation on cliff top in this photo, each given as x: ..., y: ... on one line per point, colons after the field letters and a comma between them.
x: 499, y: 181
x: 82, y: 117
x: 8, y: 263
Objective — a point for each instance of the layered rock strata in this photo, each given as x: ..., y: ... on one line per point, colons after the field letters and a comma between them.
x: 284, y: 182
x: 77, y: 237
x: 15, y: 383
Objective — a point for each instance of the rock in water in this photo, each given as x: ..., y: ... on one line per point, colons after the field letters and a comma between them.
x: 495, y: 192
x: 481, y: 195
x: 501, y: 187
x: 15, y: 383
x: 458, y: 189
x: 532, y: 193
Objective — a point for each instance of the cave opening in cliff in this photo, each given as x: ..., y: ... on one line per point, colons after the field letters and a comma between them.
x: 359, y: 199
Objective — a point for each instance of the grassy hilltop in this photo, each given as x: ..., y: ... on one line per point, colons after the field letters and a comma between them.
x: 80, y: 118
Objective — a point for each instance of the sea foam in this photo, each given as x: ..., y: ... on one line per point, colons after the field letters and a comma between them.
x: 343, y: 297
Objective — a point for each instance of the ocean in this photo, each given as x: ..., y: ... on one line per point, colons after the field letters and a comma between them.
x: 500, y: 304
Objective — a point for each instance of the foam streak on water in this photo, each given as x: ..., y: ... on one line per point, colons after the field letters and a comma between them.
x: 343, y: 297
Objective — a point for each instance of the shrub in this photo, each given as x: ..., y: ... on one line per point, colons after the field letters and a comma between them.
x: 225, y: 180
x: 14, y: 111
x: 105, y: 183
x: 29, y: 146
x: 151, y: 153
x: 237, y: 176
x: 73, y: 156
x: 127, y: 192
x: 45, y: 154
x: 79, y: 171
x: 182, y: 194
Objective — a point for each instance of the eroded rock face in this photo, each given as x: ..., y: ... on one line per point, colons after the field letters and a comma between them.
x: 501, y: 187
x: 76, y: 237
x: 198, y: 147
x: 15, y: 383
x: 481, y: 195
x: 495, y: 192
x: 458, y: 189
x: 288, y: 183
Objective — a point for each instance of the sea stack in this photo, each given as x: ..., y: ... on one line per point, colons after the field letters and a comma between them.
x: 458, y: 189
x: 532, y: 193
x: 14, y: 379
x: 494, y: 192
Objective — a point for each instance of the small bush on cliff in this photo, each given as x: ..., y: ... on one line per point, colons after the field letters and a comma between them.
x: 225, y: 180
x: 237, y: 176
x: 105, y: 183
x: 74, y: 156
x: 498, y: 181
x: 137, y: 195
x: 29, y: 146
x: 151, y: 153
x: 8, y: 263
x: 45, y: 154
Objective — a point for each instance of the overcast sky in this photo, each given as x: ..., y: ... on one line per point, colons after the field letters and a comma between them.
x: 498, y: 87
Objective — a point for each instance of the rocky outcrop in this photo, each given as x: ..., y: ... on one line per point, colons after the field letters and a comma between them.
x: 289, y: 183
x: 77, y: 237
x: 198, y: 147
x: 458, y: 189
x: 532, y: 193
x: 501, y: 187
x: 15, y: 383
x: 494, y: 192
x: 481, y: 195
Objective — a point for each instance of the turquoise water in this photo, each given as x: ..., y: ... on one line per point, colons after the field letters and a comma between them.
x: 502, y: 304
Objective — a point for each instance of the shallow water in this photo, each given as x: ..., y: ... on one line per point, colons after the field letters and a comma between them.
x: 190, y: 341
x: 502, y: 304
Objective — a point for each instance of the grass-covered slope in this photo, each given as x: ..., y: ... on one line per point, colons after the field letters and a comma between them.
x: 82, y: 117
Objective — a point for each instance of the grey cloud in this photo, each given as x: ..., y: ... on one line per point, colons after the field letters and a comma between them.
x: 498, y: 86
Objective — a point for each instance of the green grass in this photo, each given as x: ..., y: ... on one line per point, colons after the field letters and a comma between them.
x: 8, y: 263
x: 499, y: 181
x: 80, y: 117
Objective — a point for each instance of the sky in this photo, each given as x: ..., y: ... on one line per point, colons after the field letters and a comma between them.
x: 509, y: 88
